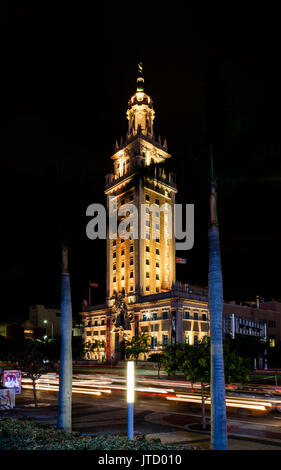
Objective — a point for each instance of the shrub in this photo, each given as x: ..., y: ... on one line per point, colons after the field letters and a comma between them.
x: 24, y: 434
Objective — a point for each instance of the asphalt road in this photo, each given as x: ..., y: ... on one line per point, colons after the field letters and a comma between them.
x: 108, y: 414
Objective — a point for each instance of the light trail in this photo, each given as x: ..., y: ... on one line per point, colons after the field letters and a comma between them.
x: 98, y: 385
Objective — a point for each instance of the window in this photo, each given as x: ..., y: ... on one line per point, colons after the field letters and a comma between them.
x: 114, y: 243
x: 147, y: 236
x: 153, y: 343
x: 122, y: 252
x: 157, y: 264
x: 157, y: 239
x: 165, y: 340
x: 166, y: 278
x: 114, y: 279
x: 166, y: 242
x: 147, y: 223
x: 147, y: 198
x: 157, y: 251
x: 122, y: 278
x: 157, y: 277
x: 147, y: 261
x: 195, y: 316
x: 96, y: 322
x: 147, y: 288
x: 131, y: 261
x: 114, y: 267
x: 147, y: 210
x: 102, y: 322
x: 186, y: 315
x: 131, y: 248
x: 165, y: 315
x: 157, y: 289
x: 114, y: 254
x: 195, y: 340
x: 154, y: 316
x: 89, y: 323
x: 147, y: 249
x: 131, y: 288
x: 204, y: 317
x: 131, y: 274
x: 157, y: 202
x: 89, y: 333
x: 186, y: 339
x: 157, y: 214
x: 122, y: 264
x: 147, y: 274
x: 157, y: 227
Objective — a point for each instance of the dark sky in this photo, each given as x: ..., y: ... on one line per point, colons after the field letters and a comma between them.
x: 66, y: 76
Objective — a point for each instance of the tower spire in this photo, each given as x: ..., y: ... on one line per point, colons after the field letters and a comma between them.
x: 140, y: 79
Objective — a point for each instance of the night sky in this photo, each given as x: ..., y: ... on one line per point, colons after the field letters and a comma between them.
x: 66, y: 77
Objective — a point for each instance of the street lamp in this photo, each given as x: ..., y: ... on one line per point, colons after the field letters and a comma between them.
x: 46, y: 321
x: 130, y: 398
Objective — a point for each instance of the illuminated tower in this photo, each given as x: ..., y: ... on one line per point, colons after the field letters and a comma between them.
x: 145, y: 265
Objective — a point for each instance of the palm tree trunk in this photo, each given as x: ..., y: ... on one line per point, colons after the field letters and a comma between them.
x: 218, y: 408
x: 203, y: 407
x: 65, y: 373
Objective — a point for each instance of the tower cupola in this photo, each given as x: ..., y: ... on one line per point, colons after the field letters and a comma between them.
x: 140, y: 113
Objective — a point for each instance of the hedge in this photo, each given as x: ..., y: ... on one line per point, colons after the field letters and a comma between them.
x: 25, y: 434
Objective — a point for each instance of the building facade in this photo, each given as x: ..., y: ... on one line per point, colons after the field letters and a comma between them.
x: 141, y: 263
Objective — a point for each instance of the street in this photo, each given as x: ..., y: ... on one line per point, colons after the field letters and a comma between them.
x: 106, y: 413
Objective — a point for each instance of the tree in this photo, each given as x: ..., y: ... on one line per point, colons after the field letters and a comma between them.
x: 195, y: 364
x: 31, y: 361
x: 218, y: 410
x: 172, y: 357
x: 236, y: 368
x: 135, y: 346
x: 158, y: 358
x: 65, y: 372
x: 247, y: 346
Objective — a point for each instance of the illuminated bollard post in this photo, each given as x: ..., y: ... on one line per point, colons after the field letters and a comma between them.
x: 130, y: 398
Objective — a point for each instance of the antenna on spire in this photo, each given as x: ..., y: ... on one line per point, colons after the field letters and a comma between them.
x: 140, y: 79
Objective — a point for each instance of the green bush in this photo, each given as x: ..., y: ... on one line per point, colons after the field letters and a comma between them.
x: 24, y: 434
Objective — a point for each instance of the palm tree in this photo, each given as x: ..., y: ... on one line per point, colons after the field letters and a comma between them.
x: 65, y: 373
x: 218, y: 408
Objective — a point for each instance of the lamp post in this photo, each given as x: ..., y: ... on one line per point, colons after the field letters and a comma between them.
x: 130, y: 397
x: 46, y: 321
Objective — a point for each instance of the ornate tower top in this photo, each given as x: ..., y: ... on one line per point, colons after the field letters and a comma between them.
x: 140, y: 113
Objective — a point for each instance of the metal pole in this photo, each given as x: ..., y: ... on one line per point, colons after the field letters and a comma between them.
x: 265, y: 352
x: 131, y: 421
x: 130, y: 398
x: 233, y: 326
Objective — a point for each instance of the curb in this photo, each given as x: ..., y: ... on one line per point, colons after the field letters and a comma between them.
x: 246, y: 437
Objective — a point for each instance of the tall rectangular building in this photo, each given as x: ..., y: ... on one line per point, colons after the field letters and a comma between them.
x: 141, y: 255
